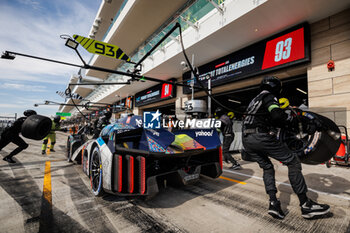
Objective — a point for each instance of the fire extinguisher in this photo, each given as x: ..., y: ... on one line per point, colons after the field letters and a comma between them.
x: 330, y: 65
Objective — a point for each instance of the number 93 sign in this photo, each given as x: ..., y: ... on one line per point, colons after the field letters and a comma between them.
x: 284, y: 49
x: 101, y: 48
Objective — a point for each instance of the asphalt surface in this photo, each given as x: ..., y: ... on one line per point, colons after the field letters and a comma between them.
x: 44, y: 193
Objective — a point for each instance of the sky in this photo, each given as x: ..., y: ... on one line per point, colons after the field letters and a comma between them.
x: 34, y: 27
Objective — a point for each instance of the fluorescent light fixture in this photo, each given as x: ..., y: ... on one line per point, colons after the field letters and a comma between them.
x: 71, y: 43
x: 235, y: 101
x: 304, y: 92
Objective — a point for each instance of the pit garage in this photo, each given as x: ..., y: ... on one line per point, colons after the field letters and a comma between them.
x: 293, y: 88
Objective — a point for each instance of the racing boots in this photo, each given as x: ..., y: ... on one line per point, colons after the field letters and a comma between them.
x: 52, y: 150
x: 275, y: 210
x: 43, y: 152
x: 9, y: 159
x: 311, y: 209
x: 236, y: 166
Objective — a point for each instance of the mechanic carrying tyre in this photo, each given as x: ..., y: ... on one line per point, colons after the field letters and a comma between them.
x: 259, y: 139
x: 52, y: 135
x: 11, y: 134
x: 101, y: 122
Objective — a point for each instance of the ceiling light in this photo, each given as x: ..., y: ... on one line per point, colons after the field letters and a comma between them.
x: 304, y: 92
x: 235, y: 101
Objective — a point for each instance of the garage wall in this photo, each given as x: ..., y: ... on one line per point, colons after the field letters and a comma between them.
x: 329, y: 92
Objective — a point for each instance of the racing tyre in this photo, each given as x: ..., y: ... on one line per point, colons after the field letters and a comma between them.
x: 96, y: 173
x: 36, y: 127
x: 68, y: 150
x: 317, y: 148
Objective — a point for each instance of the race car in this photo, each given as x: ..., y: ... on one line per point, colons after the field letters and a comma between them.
x: 128, y: 159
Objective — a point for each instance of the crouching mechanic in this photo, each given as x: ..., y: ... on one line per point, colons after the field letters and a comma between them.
x: 11, y: 134
x: 52, y: 135
x: 259, y: 139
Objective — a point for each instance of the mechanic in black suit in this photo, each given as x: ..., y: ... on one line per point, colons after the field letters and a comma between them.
x: 264, y: 116
x: 11, y: 134
x: 101, y: 122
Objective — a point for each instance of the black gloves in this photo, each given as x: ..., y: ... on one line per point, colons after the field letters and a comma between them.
x: 310, y: 126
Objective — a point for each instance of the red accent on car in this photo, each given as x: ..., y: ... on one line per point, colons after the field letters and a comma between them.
x: 120, y: 173
x: 220, y: 157
x: 131, y: 174
x: 143, y: 175
x: 82, y: 157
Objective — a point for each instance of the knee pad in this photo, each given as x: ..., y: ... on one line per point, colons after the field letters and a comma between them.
x: 45, y: 141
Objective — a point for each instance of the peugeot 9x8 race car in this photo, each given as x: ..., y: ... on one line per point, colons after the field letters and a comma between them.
x: 128, y: 159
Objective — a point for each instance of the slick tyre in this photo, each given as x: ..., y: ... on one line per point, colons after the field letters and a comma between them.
x: 317, y: 148
x: 68, y: 150
x: 36, y: 127
x: 96, y: 173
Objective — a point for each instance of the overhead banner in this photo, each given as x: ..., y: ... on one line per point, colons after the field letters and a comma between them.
x: 282, y: 50
x: 155, y: 94
x: 126, y: 103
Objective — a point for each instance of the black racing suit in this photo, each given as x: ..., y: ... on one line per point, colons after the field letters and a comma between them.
x: 11, y: 134
x: 260, y: 141
x: 228, y: 137
x: 99, y: 125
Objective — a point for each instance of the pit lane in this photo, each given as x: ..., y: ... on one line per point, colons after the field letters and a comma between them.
x: 234, y: 203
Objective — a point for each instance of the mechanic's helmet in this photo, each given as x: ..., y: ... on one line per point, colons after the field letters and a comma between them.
x: 29, y: 112
x: 271, y: 84
x: 284, y: 102
x: 107, y: 114
x: 57, y: 119
x: 231, y: 115
x: 219, y: 112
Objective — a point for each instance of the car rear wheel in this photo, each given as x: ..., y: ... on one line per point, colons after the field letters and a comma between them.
x: 68, y: 149
x: 96, y: 173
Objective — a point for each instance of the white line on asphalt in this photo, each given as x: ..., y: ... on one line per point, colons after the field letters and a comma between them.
x: 286, y: 184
